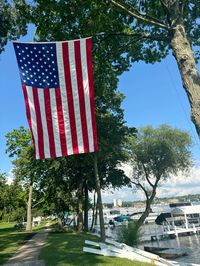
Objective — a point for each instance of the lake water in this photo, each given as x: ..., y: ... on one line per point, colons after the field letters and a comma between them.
x: 189, y: 244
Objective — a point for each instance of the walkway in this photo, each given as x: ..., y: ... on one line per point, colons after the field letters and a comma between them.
x: 28, y: 254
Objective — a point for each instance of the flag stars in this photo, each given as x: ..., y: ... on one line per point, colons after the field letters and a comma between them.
x: 38, y: 65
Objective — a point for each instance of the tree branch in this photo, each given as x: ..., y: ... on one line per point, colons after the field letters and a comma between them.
x: 139, y: 185
x: 140, y: 17
x: 147, y: 178
x: 134, y: 34
x: 37, y: 203
x: 106, y: 35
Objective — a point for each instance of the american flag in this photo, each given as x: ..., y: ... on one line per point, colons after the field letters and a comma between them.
x: 57, y: 82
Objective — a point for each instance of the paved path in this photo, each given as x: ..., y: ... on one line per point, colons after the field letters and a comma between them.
x: 27, y: 255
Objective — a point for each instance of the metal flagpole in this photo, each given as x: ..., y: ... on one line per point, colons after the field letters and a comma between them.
x: 99, y: 200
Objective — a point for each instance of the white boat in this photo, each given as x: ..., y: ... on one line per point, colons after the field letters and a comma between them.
x: 180, y: 220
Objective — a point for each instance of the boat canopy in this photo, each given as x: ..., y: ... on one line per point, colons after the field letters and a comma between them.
x: 186, y: 210
x: 162, y: 218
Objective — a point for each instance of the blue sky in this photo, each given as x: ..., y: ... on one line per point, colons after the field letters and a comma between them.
x: 154, y: 95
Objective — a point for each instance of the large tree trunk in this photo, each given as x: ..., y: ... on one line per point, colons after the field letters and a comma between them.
x: 80, y: 206
x: 29, y: 208
x: 145, y: 214
x: 183, y: 54
x: 86, y: 202
x: 149, y: 201
x: 99, y: 201
x: 93, y: 212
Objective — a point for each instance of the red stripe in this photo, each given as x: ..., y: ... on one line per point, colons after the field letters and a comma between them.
x: 47, y: 103
x: 81, y: 95
x: 61, y: 122
x: 39, y: 124
x: 28, y: 114
x: 70, y: 97
x: 91, y: 89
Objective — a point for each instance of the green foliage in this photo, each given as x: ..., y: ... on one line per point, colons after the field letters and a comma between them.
x: 119, y: 37
x: 158, y: 154
x: 12, y: 201
x: 129, y: 234
x: 13, y: 20
x: 161, y: 152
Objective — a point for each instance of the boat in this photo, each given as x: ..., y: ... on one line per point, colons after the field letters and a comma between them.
x: 166, y: 253
x: 181, y: 220
x: 150, y: 219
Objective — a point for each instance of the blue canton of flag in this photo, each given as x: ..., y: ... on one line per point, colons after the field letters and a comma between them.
x: 38, y: 64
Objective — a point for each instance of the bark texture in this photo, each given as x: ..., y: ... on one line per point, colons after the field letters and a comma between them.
x: 29, y: 208
x: 86, y: 202
x: 100, y: 205
x: 184, y: 56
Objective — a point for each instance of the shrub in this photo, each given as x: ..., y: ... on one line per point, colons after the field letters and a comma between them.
x: 129, y: 234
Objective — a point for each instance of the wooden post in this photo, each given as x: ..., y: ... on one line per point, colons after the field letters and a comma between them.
x: 100, y: 205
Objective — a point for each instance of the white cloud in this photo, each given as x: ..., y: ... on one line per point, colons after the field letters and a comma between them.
x: 182, y: 184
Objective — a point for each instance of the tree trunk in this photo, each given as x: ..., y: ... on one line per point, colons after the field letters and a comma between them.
x: 99, y: 202
x: 188, y: 69
x: 86, y: 202
x: 80, y: 206
x: 29, y: 208
x: 149, y: 201
x: 93, y: 211
x: 145, y: 214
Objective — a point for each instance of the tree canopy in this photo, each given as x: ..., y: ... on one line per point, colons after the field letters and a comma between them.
x: 13, y: 20
x: 158, y: 154
x: 128, y: 31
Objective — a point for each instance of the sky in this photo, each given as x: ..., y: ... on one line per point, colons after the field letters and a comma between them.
x: 154, y: 96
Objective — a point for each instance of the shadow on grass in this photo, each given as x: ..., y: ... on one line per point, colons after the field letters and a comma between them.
x: 10, y: 240
x: 66, y: 249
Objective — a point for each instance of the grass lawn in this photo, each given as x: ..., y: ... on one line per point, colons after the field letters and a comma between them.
x: 66, y: 249
x: 10, y: 240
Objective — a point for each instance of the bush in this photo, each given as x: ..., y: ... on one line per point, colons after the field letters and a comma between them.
x: 129, y: 234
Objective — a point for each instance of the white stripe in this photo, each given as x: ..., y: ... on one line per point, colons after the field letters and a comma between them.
x: 64, y: 98
x: 87, y: 94
x: 44, y: 123
x: 33, y: 119
x: 75, y: 97
x: 55, y: 123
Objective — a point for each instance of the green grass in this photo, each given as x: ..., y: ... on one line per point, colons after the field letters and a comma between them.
x: 10, y: 240
x: 66, y: 249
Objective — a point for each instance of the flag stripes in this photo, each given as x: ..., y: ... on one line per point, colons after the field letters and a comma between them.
x: 62, y: 119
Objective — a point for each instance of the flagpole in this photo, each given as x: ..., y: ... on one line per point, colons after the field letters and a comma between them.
x: 99, y: 200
